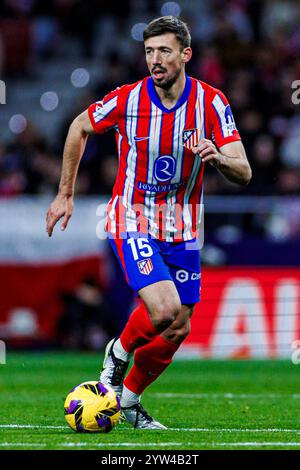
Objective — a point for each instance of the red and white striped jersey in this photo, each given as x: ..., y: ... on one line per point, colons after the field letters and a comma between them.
x: 159, y: 185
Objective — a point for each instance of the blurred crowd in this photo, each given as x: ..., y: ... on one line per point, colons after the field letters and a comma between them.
x: 248, y: 48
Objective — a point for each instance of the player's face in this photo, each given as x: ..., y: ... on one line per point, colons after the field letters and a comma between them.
x: 165, y: 59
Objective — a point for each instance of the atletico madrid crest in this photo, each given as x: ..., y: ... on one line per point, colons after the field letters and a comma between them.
x: 190, y: 137
x: 145, y: 266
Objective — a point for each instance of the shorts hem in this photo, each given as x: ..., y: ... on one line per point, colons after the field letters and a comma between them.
x: 136, y: 289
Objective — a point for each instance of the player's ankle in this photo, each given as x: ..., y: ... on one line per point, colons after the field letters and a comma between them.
x: 120, y: 352
x: 129, y: 398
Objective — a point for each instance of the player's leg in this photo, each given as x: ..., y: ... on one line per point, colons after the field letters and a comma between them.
x: 148, y: 275
x: 149, y: 363
x: 159, y: 307
x: 152, y: 359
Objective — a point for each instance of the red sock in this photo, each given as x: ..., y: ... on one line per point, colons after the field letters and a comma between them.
x: 139, y: 329
x: 149, y: 362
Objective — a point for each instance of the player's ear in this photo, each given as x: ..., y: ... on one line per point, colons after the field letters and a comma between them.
x: 187, y: 54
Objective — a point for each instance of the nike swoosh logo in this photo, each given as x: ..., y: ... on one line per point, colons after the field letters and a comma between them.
x: 141, y: 138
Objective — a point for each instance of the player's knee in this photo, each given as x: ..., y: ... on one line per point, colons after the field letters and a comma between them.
x: 164, y: 314
x: 183, y: 332
x: 178, y: 334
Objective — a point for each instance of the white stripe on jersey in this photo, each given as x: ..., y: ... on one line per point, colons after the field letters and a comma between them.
x: 102, y: 111
x: 200, y: 124
x: 200, y: 116
x: 120, y: 138
x: 153, y: 153
x: 131, y: 127
x: 112, y: 215
x: 177, y: 151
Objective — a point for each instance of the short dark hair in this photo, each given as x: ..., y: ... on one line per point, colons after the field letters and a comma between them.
x: 169, y: 24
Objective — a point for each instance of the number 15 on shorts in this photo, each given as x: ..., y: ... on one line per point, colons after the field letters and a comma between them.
x: 140, y: 248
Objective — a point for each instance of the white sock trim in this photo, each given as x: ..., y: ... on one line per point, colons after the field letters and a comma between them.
x: 129, y: 398
x: 120, y: 352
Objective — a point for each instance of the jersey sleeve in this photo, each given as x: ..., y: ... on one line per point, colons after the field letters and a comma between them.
x: 104, y: 114
x: 222, y: 123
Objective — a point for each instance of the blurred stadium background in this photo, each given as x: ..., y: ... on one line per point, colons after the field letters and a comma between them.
x: 67, y: 292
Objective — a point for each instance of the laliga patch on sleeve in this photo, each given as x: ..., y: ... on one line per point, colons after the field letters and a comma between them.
x: 230, y: 119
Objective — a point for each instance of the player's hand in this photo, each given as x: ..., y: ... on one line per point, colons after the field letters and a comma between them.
x: 62, y: 206
x: 207, y: 151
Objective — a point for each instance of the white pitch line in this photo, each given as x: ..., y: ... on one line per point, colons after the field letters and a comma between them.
x: 30, y: 426
x: 227, y: 430
x: 154, y: 444
x: 226, y: 395
x: 296, y: 431
x: 255, y: 444
x: 121, y: 444
x: 20, y: 444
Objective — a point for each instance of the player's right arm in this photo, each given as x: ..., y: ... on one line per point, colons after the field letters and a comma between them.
x: 62, y: 205
x: 98, y: 118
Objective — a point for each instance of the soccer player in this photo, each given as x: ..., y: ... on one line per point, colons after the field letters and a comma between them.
x: 168, y: 126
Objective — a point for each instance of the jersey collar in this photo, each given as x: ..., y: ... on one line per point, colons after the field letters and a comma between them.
x: 155, y: 98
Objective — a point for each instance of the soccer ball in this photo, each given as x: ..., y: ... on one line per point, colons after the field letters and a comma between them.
x: 92, y: 407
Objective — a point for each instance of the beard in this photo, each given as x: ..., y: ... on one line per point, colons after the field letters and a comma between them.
x: 168, y: 82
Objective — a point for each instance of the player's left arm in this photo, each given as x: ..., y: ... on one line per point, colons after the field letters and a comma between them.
x: 230, y: 159
x: 223, y: 148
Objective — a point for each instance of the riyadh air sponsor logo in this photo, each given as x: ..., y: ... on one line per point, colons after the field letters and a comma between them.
x: 145, y: 266
x: 159, y: 188
x: 164, y: 168
x: 182, y: 276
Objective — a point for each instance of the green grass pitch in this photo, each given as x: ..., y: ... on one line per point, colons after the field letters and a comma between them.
x: 206, y: 404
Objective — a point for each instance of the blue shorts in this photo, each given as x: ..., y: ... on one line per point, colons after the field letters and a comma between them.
x: 146, y: 260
